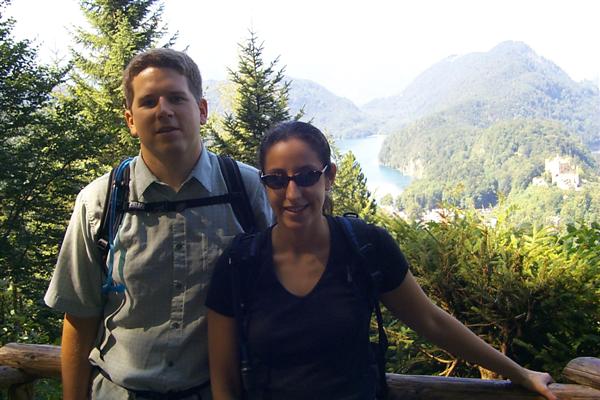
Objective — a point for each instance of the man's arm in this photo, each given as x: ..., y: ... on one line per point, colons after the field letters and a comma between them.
x: 223, y: 356
x: 78, y: 337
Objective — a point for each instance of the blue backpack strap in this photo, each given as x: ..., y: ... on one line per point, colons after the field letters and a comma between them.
x: 117, y: 204
x: 244, y: 263
x: 117, y: 198
x: 361, y: 235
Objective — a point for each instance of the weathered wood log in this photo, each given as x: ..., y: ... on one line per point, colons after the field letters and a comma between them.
x: 39, y: 360
x: 21, y: 363
x: 419, y: 387
x: 584, y: 370
x: 10, y: 376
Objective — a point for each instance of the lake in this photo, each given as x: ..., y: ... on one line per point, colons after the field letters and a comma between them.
x: 381, y: 180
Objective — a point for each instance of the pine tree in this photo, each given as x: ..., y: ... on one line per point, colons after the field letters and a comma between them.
x: 42, y: 142
x: 261, y: 101
x: 350, y: 193
x: 119, y: 30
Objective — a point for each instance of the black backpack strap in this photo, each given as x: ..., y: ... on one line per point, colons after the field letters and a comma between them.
x: 177, y: 206
x: 243, y: 262
x: 360, y: 235
x: 240, y: 201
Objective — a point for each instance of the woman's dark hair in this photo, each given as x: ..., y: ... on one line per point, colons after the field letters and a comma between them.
x: 306, y: 132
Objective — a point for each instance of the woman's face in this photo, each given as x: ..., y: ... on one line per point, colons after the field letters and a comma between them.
x: 296, y: 206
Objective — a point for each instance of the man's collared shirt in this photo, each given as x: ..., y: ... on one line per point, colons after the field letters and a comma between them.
x: 153, y: 336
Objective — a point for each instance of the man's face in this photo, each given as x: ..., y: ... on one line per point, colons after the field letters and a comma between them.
x: 164, y: 115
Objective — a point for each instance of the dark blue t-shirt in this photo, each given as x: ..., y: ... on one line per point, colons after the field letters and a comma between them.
x: 315, y: 346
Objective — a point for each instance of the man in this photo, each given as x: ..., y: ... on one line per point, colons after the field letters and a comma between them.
x: 149, y: 340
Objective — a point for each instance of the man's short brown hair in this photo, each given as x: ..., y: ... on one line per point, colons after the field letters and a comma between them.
x: 162, y: 58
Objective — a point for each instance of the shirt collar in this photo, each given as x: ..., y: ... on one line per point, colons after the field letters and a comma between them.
x: 202, y: 172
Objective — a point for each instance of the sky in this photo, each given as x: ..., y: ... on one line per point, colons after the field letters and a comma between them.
x: 357, y: 49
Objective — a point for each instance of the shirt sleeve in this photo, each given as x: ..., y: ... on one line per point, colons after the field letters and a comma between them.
x: 75, y: 287
x: 219, y: 295
x: 392, y: 262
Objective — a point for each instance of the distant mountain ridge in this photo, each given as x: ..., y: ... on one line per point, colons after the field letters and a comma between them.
x: 509, y: 81
x: 509, y: 104
x: 335, y: 115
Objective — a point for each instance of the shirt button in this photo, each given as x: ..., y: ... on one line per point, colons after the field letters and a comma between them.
x: 175, y: 325
x: 178, y: 246
x: 178, y: 285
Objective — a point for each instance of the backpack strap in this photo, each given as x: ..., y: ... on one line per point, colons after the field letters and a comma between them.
x: 243, y: 261
x: 117, y: 196
x: 360, y: 236
x: 117, y: 203
x: 239, y: 197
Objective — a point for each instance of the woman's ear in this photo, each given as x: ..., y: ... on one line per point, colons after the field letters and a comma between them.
x: 330, y: 175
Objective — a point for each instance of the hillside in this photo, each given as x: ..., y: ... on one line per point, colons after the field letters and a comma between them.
x: 473, y: 166
x: 337, y: 115
x: 483, y: 124
x: 333, y: 114
x: 509, y: 81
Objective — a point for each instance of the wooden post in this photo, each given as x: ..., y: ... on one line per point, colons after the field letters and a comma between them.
x: 12, y: 376
x: 419, y: 387
x: 19, y: 384
x: 584, y: 370
x: 34, y: 359
x: 20, y: 364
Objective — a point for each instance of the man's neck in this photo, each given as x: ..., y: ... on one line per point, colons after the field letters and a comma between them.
x: 174, y: 169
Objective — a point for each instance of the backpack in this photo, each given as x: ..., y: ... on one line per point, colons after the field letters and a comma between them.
x: 117, y: 204
x: 244, y: 252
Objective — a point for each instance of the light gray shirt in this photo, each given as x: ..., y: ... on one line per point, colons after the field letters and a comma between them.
x: 153, y: 335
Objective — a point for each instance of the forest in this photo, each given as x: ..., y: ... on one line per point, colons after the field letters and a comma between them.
x: 529, y: 289
x: 477, y: 129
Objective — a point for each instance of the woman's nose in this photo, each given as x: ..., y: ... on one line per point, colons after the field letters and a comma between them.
x: 292, y: 190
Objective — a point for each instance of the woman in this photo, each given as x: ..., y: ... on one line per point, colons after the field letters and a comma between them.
x: 307, y: 329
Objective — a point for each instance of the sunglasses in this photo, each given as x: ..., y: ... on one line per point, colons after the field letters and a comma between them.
x: 302, y: 179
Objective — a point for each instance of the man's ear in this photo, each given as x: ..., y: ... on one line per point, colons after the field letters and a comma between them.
x: 330, y: 175
x: 203, y: 106
x: 130, y: 123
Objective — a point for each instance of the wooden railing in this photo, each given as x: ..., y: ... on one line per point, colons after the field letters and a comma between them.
x: 22, y: 364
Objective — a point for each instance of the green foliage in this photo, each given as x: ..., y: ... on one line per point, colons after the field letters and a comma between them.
x: 41, y: 146
x: 119, y: 30
x: 350, y: 193
x: 539, y: 205
x: 261, y: 101
x: 531, y: 293
x: 467, y: 166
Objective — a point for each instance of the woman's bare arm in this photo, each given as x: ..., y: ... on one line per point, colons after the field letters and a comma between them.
x: 409, y: 303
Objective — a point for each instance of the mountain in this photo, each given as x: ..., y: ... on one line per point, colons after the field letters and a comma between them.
x: 485, y: 122
x: 509, y: 81
x: 335, y: 115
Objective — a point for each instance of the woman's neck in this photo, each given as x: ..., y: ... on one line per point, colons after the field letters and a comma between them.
x: 309, y: 238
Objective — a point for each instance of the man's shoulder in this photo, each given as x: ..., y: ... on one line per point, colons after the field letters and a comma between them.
x: 96, y: 189
x: 248, y: 172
